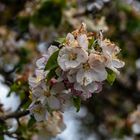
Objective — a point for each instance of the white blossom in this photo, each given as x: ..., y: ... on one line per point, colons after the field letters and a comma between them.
x: 110, y: 50
x: 39, y: 111
x: 40, y: 63
x: 93, y: 70
x: 87, y: 90
x: 71, y: 57
x: 34, y: 81
x: 83, y: 41
x: 80, y: 41
x: 80, y: 72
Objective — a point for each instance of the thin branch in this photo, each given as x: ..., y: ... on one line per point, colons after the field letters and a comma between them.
x: 8, y: 134
x: 15, y: 115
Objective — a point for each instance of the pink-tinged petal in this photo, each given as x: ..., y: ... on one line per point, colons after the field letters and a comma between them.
x: 83, y: 41
x: 77, y: 86
x: 92, y: 87
x: 109, y: 47
x: 70, y: 37
x: 100, y: 86
x: 85, y: 95
x: 97, y: 61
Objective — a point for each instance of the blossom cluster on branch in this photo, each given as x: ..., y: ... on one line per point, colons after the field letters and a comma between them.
x: 72, y: 71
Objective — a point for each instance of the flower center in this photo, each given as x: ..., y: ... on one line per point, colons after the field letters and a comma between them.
x: 86, y: 66
x: 47, y: 94
x: 38, y: 110
x: 38, y: 79
x: 72, y: 56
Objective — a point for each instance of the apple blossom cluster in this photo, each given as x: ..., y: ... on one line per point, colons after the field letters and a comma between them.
x: 72, y: 71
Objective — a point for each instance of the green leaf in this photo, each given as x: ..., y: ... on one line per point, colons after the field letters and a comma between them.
x: 77, y: 103
x: 23, y: 23
x: 52, y: 62
x: 61, y: 40
x: 1, y: 137
x: 49, y: 13
x: 3, y: 126
x: 91, y: 41
x: 111, y: 77
x: 14, y: 87
x: 31, y: 122
x: 51, y: 74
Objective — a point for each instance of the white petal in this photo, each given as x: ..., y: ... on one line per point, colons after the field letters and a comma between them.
x: 57, y: 88
x: 53, y: 102
x: 40, y: 63
x: 32, y: 82
x: 85, y: 95
x: 114, y: 69
x: 71, y: 78
x: 92, y: 87
x: 99, y: 75
x: 117, y: 63
x: 84, y: 77
x: 83, y: 41
x: 37, y: 93
x: 39, y: 73
x: 70, y: 37
x: 82, y: 56
x: 52, y: 49
x: 38, y: 111
x: 61, y: 61
x: 97, y: 61
x: 71, y: 64
x: 77, y: 86
x: 71, y: 75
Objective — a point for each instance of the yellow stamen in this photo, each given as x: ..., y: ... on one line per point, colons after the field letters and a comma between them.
x: 47, y: 94
x: 86, y: 66
x: 72, y: 56
x: 38, y: 110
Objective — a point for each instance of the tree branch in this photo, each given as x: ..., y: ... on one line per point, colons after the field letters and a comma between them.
x: 15, y: 115
x: 8, y: 134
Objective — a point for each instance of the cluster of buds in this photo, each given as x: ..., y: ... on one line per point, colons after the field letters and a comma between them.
x: 72, y: 72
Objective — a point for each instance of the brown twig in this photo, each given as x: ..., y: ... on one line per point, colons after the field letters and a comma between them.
x: 15, y: 115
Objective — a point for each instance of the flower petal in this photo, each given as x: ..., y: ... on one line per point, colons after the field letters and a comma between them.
x: 70, y: 37
x: 53, y: 102
x: 99, y: 75
x: 84, y: 77
x: 83, y: 41
x: 52, y: 49
x: 117, y: 63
